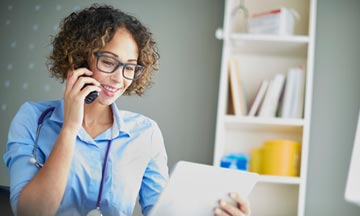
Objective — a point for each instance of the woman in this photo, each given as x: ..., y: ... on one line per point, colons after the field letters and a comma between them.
x: 90, y: 158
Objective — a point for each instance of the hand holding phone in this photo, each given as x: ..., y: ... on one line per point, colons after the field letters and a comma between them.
x: 92, y: 95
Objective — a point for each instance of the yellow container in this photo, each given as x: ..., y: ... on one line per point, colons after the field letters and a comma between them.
x: 281, y: 157
x: 255, y: 164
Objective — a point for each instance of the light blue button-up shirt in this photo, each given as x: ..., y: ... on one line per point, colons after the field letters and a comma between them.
x: 137, y: 162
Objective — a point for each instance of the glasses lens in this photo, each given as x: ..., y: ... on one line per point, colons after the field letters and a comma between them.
x: 106, y: 64
x: 132, y: 71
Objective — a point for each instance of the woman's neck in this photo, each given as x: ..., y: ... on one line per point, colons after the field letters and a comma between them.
x: 97, y: 114
x: 97, y: 119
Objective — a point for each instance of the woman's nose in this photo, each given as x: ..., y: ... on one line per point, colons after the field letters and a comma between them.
x: 118, y: 74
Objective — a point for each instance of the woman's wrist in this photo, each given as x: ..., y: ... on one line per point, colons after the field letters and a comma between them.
x: 69, y: 132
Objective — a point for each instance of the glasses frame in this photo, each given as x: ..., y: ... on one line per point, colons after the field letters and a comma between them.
x: 119, y: 64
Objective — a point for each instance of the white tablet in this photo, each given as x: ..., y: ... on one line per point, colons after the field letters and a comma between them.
x: 194, y: 189
x: 352, y: 189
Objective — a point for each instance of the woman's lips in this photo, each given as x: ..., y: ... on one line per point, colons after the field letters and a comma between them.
x: 109, y: 90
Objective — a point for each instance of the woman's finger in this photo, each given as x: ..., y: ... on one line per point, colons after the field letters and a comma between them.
x: 242, y: 203
x: 82, y: 81
x: 230, y: 209
x: 73, y: 76
x: 219, y: 212
x: 83, y: 93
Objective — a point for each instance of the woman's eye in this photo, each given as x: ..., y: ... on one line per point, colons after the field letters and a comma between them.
x: 108, y: 63
x: 130, y: 68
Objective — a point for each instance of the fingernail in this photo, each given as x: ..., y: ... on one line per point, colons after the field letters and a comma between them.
x: 233, y: 195
x: 217, y: 211
x: 222, y: 203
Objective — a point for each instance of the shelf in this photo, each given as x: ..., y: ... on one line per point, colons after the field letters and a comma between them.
x: 263, y: 37
x: 270, y: 38
x: 273, y: 127
x: 279, y: 179
x: 288, y: 45
x: 234, y: 120
x: 295, y: 45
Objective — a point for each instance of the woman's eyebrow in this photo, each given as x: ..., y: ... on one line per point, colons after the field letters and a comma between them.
x: 111, y: 53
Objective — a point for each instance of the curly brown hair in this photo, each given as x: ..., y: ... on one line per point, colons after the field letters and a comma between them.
x: 87, y: 31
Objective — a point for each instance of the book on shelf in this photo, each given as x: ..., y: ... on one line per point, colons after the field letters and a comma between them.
x: 238, y: 97
x: 258, y: 98
x: 292, y: 105
x: 272, y: 96
x: 287, y: 100
x: 299, y: 94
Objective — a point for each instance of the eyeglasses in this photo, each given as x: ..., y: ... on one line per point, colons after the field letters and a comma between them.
x: 109, y: 64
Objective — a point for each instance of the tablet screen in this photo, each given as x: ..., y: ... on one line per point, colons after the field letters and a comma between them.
x: 194, y: 189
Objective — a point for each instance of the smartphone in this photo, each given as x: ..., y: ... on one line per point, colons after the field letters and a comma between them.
x: 92, y: 95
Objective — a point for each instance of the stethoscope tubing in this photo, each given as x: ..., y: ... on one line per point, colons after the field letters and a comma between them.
x: 38, y: 129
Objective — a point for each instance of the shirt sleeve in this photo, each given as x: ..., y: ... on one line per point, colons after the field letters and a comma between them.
x: 19, y: 150
x: 156, y: 174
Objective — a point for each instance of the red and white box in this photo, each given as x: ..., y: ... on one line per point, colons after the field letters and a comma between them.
x: 280, y: 21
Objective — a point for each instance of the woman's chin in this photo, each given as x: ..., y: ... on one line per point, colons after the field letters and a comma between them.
x: 107, y: 100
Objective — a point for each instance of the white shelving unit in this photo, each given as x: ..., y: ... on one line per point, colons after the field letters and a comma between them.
x: 261, y: 57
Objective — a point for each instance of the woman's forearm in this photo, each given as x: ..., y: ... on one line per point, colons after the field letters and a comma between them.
x: 43, y: 194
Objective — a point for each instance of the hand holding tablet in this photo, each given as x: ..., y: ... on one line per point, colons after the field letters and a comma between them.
x: 195, y: 189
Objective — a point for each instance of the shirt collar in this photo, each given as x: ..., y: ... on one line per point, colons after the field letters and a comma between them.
x: 119, y: 124
x: 118, y: 128
x: 58, y: 113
